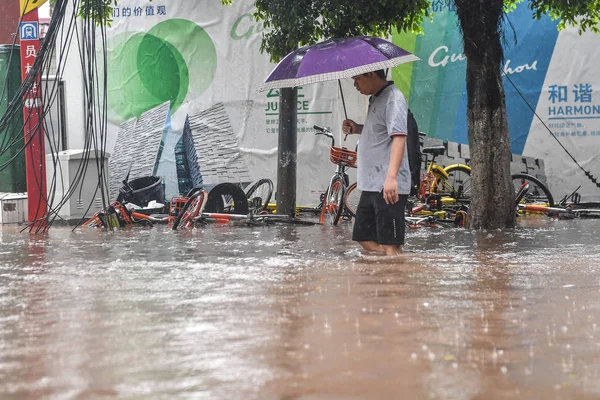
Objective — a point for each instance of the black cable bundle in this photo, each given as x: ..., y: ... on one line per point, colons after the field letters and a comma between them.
x: 66, y: 28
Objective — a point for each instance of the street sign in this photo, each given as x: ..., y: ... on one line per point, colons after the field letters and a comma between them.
x: 29, y: 31
x: 30, y: 5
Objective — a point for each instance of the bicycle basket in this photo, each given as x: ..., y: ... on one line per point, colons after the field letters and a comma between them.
x: 176, y: 204
x: 343, y: 156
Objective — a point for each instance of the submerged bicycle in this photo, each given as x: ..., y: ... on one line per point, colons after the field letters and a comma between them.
x: 443, y: 193
x: 446, y: 192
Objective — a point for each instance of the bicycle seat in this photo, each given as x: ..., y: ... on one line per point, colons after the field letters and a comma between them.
x: 435, y: 150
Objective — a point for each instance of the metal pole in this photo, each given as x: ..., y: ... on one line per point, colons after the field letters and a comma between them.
x: 287, y: 152
x: 35, y: 159
x: 344, y: 104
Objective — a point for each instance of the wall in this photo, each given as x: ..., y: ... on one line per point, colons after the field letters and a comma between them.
x: 9, y: 19
x: 73, y: 85
x: 197, y: 55
x: 550, y: 71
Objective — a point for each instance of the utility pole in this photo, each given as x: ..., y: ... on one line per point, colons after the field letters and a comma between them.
x: 287, y: 153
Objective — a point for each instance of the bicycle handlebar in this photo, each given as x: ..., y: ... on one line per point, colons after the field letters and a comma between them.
x: 324, y: 131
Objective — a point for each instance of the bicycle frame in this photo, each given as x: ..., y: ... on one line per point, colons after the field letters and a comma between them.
x: 428, y: 180
x: 430, y: 183
x: 340, y: 168
x: 340, y: 173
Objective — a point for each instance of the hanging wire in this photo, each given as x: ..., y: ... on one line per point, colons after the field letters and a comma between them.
x: 587, y: 173
x: 66, y: 29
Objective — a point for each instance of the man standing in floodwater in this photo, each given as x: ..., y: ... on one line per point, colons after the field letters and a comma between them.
x: 383, y: 169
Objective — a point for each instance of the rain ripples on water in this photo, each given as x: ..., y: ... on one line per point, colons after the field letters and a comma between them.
x: 298, y: 312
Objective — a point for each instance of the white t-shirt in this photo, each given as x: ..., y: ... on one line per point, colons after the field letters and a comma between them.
x: 387, y: 117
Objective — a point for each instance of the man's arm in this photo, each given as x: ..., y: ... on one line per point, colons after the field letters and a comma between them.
x: 390, y: 187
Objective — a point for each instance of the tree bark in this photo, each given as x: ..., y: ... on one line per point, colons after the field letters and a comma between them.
x: 492, y: 206
x: 287, y: 152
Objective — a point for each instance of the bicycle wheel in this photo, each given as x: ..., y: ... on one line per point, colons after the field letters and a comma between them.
x: 334, y: 202
x: 521, y: 193
x: 457, y: 185
x: 190, y: 210
x: 538, y: 193
x: 259, y: 194
x: 227, y: 198
x: 351, y: 200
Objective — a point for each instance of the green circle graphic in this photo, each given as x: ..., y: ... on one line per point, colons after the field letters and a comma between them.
x: 196, y: 47
x: 127, y: 95
x: 174, y: 61
x: 162, y: 70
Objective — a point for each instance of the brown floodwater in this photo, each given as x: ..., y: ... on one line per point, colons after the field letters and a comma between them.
x: 296, y: 312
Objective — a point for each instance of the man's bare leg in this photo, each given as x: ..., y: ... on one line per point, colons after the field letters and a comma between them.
x: 392, y: 250
x: 372, y: 247
x: 389, y: 250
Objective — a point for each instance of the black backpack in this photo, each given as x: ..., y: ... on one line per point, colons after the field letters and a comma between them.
x: 414, y: 153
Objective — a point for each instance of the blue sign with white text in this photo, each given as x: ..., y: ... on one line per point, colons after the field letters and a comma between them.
x: 29, y: 31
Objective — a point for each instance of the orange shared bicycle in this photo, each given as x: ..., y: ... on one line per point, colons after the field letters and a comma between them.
x: 333, y: 204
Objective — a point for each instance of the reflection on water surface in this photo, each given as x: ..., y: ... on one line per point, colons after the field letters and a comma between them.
x: 297, y: 313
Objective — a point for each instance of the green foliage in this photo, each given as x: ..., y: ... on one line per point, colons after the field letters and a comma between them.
x: 584, y: 14
x: 511, y: 5
x: 294, y: 23
x: 98, y: 11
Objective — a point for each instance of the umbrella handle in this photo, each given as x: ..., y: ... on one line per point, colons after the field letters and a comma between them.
x: 343, y: 104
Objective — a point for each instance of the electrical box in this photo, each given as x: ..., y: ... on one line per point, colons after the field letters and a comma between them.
x: 65, y: 170
x: 13, y: 208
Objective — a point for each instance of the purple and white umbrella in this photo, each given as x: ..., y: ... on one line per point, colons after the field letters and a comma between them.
x: 336, y: 59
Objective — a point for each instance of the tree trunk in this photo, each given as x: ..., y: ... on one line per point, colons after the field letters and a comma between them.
x: 492, y: 206
x: 287, y: 152
x: 493, y: 193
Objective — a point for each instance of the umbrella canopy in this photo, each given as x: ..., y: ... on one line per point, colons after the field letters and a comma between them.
x: 335, y: 59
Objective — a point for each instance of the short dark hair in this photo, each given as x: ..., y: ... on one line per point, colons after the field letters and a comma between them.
x: 380, y: 73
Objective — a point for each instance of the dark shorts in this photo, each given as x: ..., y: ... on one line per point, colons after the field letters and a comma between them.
x: 379, y: 222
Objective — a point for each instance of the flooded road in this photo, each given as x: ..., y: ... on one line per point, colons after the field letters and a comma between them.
x: 295, y: 312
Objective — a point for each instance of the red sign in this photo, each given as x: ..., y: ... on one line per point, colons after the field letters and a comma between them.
x: 35, y: 159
